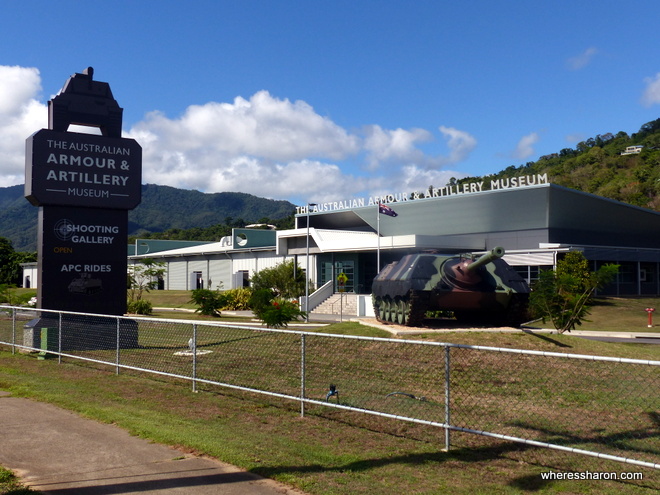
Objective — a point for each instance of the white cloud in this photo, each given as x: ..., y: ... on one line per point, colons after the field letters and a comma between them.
x: 20, y: 116
x: 415, y: 179
x: 262, y: 145
x: 460, y: 144
x: 651, y: 95
x: 262, y: 126
x: 582, y: 60
x: 525, y: 147
x: 399, y: 147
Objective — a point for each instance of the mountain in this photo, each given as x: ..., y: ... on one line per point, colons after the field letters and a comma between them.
x: 18, y: 218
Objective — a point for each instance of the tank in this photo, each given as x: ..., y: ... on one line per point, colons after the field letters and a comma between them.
x: 85, y: 284
x: 484, y: 291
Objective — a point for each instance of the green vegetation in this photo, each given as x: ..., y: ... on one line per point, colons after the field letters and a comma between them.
x: 564, y: 295
x: 274, y: 312
x: 208, y: 302
x: 195, y: 217
x: 618, y: 314
x: 285, y: 280
x: 143, y: 277
x: 11, y: 272
x: 597, y: 166
x: 328, y: 452
x: 10, y: 484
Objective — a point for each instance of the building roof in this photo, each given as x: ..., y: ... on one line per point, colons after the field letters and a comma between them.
x: 527, y: 216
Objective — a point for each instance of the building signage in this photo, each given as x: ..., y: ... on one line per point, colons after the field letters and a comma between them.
x: 466, y: 188
x: 85, y: 257
x: 73, y: 169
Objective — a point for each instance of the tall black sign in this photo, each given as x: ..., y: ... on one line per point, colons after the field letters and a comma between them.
x: 84, y: 185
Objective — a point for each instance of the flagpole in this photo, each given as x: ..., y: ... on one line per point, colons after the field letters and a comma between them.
x: 378, y: 235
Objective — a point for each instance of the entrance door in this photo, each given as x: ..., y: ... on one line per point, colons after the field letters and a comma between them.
x: 331, y: 272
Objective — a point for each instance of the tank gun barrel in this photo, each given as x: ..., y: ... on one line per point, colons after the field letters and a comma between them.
x: 494, y: 254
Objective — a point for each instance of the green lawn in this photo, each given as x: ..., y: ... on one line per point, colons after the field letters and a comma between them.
x: 623, y: 315
x: 332, y: 452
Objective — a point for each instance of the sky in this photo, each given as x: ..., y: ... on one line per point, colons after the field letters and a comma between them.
x: 315, y: 101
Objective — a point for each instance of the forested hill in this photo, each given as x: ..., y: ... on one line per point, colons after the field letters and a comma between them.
x: 597, y: 166
x: 163, y: 208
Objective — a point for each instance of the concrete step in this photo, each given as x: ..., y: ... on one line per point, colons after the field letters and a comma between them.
x: 333, y: 305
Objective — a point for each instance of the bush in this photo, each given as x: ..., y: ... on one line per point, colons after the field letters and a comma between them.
x: 209, y: 302
x: 260, y: 300
x: 139, y: 307
x: 286, y: 280
x: 274, y: 312
x: 237, y: 299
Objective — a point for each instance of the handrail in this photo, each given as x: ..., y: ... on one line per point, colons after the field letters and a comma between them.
x: 318, y: 296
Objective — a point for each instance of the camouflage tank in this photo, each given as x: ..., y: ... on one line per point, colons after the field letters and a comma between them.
x: 483, y: 291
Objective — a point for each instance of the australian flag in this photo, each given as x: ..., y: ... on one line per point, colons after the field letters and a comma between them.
x: 386, y: 210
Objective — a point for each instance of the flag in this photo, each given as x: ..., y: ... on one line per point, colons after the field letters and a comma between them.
x: 386, y: 210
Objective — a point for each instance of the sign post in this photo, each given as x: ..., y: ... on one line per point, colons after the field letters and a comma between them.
x: 84, y: 186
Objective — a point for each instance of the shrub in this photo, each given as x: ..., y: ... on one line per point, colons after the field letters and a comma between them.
x: 274, y: 312
x: 286, y: 280
x: 209, y: 302
x: 140, y: 307
x: 280, y: 313
x: 237, y: 299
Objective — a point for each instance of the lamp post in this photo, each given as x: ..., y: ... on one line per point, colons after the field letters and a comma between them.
x: 309, y: 205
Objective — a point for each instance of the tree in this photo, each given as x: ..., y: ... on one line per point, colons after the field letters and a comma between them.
x: 564, y: 295
x: 10, y: 263
x: 143, y: 277
x: 286, y: 280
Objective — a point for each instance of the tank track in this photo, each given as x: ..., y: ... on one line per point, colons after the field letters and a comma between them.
x: 418, y: 306
x: 409, y: 310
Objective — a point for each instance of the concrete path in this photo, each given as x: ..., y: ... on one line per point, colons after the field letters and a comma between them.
x: 58, y: 452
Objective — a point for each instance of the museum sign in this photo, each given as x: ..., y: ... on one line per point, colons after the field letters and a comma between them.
x: 73, y: 169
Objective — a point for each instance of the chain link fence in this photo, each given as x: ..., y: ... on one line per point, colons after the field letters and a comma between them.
x: 604, y: 407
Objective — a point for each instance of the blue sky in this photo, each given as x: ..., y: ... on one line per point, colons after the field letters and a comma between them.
x: 321, y: 101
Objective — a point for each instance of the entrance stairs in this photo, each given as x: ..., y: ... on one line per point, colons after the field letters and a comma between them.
x: 334, y: 306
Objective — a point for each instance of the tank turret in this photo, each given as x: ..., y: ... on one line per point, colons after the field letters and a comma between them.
x: 484, y: 291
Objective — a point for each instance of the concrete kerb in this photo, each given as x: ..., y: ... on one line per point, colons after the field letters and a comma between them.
x: 402, y: 330
x: 319, y: 319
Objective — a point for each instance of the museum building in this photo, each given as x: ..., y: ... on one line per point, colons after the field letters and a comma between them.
x: 534, y: 221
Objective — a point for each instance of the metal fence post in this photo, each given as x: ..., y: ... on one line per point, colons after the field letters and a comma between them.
x: 13, y: 331
x: 302, y: 375
x: 194, y: 362
x: 59, y: 339
x: 118, y: 347
x: 447, y: 398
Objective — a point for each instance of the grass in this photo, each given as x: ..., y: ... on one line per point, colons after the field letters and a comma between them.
x: 331, y: 452
x: 618, y: 314
x: 320, y: 454
x: 169, y: 299
x: 11, y: 485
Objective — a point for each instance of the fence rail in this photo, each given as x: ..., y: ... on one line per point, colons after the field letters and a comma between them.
x: 604, y: 407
